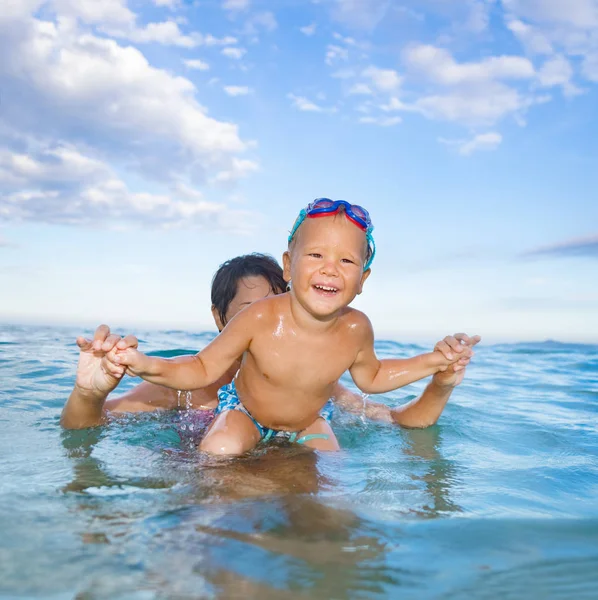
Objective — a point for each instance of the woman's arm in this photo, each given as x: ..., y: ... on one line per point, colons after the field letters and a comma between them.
x: 96, y: 378
x: 88, y: 403
x: 420, y: 412
x: 426, y: 410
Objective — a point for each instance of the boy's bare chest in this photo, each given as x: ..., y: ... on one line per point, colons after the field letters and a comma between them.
x: 319, y: 359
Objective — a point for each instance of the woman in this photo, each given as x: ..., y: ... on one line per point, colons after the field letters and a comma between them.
x: 237, y: 283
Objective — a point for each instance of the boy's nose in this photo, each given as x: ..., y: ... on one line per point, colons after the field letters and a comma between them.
x: 329, y: 268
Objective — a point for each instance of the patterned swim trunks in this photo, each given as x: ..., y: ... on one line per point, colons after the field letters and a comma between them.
x: 228, y: 399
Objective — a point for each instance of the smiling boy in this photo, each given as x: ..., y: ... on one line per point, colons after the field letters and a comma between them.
x: 297, y: 345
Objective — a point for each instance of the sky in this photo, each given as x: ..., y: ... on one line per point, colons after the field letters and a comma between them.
x: 143, y: 143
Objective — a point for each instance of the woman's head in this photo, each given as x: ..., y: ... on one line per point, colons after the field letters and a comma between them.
x: 242, y: 280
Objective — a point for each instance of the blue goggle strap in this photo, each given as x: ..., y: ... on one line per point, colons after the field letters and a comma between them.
x: 298, y: 222
x: 372, y: 245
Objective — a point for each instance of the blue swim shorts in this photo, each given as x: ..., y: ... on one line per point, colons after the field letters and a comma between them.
x: 228, y: 399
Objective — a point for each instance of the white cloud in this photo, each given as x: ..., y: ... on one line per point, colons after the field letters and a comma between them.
x: 172, y: 4
x: 62, y: 185
x: 344, y: 74
x: 438, y: 65
x: 264, y: 21
x: 167, y: 33
x: 61, y: 164
x: 348, y: 41
x: 308, y: 30
x: 482, y: 141
x: 196, y: 63
x: 479, y: 94
x: 303, y: 104
x: 584, y: 246
x: 237, y: 90
x: 590, y: 67
x: 234, y: 53
x: 394, y: 104
x: 236, y: 5
x: 360, y: 14
x: 479, y: 16
x: 84, y: 87
x: 16, y: 10
x: 554, y: 28
x: 381, y: 121
x: 386, y: 80
x: 360, y: 89
x: 113, y: 12
x: 210, y: 40
x: 533, y: 40
x: 335, y: 54
x: 582, y: 14
x: 239, y: 168
x: 558, y: 71
x: 479, y: 106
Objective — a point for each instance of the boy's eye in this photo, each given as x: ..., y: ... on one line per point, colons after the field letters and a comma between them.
x: 315, y: 255
x: 348, y: 260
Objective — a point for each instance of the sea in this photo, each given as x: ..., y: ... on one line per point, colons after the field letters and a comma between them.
x: 498, y: 500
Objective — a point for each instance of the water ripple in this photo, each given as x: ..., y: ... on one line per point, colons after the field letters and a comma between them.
x: 497, y: 500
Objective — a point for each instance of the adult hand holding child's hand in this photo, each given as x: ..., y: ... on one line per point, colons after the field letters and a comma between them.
x: 125, y: 356
x: 97, y: 376
x: 453, y: 346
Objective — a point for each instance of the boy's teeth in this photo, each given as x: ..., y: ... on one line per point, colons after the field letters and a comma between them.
x: 325, y: 288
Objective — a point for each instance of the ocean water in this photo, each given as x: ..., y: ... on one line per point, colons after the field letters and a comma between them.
x: 499, y: 500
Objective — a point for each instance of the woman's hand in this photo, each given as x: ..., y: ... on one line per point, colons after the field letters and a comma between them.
x: 451, y: 347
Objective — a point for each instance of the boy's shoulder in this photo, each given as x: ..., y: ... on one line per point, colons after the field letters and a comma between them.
x: 266, y: 307
x: 356, y: 320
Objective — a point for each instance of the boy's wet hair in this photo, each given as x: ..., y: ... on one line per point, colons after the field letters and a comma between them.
x: 226, y: 279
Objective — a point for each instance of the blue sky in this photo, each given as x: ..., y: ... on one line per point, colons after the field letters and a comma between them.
x: 144, y: 143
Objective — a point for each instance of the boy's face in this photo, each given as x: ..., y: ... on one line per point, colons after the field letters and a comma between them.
x: 325, y: 264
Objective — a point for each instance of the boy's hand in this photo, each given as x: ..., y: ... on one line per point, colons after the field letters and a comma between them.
x: 457, y: 348
x: 126, y: 356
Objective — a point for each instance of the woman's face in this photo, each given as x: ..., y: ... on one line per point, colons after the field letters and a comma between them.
x: 249, y: 289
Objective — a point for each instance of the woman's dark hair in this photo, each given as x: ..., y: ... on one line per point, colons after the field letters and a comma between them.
x: 226, y: 279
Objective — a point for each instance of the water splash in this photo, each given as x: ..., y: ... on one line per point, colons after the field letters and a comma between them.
x: 364, y: 398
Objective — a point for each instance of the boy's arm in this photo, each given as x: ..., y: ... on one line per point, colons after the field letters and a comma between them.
x: 427, y: 408
x: 202, y: 369
x: 374, y: 376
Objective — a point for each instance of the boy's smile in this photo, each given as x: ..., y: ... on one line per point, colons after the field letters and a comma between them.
x: 325, y: 264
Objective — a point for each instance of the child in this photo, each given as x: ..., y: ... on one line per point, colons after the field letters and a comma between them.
x: 295, y: 346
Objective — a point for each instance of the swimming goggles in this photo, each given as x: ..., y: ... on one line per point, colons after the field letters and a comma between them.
x: 323, y: 207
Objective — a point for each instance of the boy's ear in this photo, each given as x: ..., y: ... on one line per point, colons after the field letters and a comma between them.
x: 365, y: 275
x: 217, y: 319
x: 286, y: 266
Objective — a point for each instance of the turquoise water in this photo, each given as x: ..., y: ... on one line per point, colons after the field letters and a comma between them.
x: 500, y: 500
